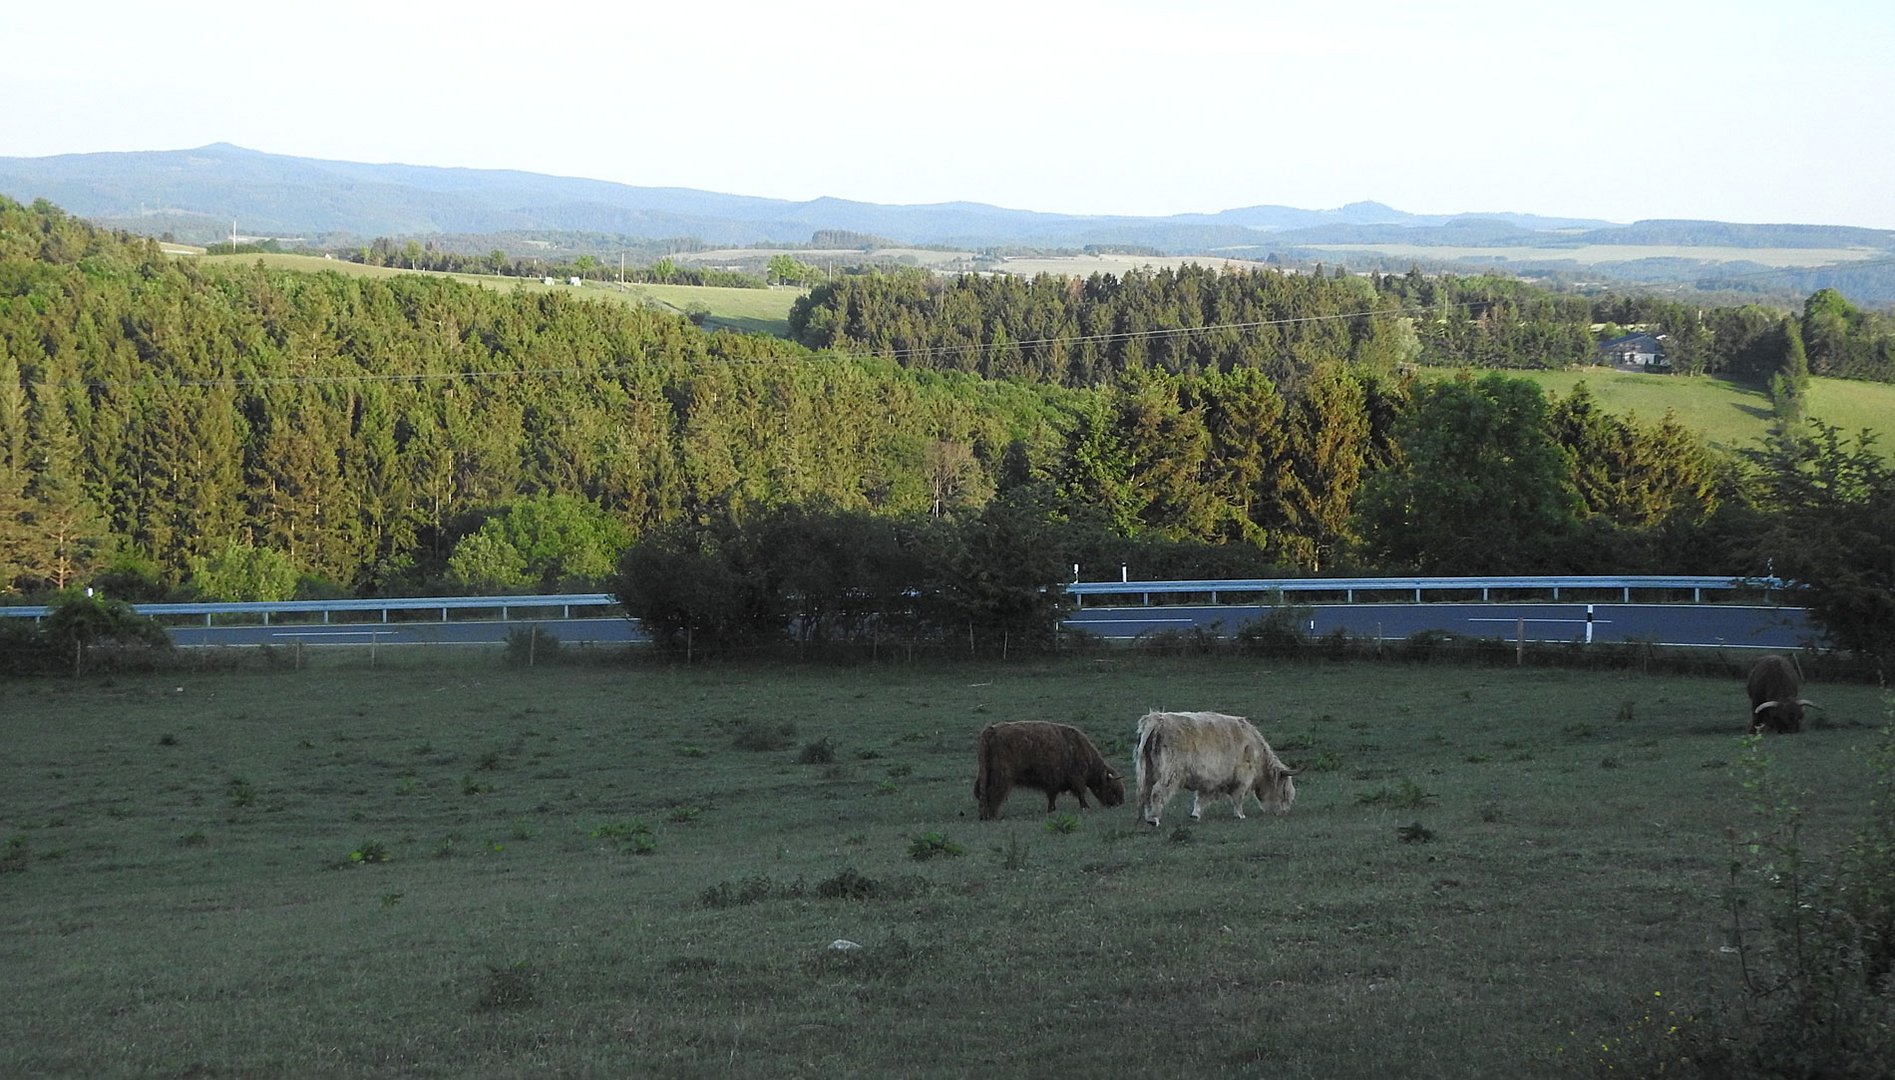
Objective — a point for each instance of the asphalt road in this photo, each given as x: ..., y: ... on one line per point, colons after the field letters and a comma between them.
x: 469, y: 632
x: 1665, y: 624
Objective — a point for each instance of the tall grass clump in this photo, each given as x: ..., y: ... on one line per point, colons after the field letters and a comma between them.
x: 532, y: 645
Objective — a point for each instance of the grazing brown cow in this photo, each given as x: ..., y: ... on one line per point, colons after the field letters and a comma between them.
x: 1775, y: 692
x: 1210, y: 754
x: 1048, y: 757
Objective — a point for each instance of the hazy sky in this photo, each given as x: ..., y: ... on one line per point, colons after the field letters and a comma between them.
x: 1730, y: 110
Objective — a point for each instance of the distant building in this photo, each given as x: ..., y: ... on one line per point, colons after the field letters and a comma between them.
x: 573, y: 281
x: 1636, y: 352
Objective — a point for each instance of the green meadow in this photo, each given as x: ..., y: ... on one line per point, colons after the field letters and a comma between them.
x: 444, y: 866
x: 1595, y: 254
x: 1731, y: 415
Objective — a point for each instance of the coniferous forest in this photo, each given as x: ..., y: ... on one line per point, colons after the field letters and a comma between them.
x: 168, y: 428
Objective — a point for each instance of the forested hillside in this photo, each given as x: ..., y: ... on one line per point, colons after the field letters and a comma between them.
x: 1079, y: 332
x: 247, y: 433
x: 358, y: 426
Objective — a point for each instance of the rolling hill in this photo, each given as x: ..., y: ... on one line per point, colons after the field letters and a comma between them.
x: 204, y: 194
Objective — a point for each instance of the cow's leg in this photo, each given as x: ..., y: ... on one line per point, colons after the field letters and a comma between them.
x: 1052, y: 799
x: 1197, y: 806
x: 1080, y: 791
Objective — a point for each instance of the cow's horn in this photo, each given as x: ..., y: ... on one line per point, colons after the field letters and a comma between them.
x: 1806, y: 703
x: 1762, y: 707
x: 1292, y: 772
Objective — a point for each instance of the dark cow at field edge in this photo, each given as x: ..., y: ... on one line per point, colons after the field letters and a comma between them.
x: 1051, y: 758
x: 1211, y: 755
x: 1776, y: 702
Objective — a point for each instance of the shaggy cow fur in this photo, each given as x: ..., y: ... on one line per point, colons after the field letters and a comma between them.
x: 1211, y: 755
x: 1775, y: 701
x: 1051, y: 758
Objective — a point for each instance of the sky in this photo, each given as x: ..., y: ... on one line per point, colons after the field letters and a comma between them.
x: 1732, y: 111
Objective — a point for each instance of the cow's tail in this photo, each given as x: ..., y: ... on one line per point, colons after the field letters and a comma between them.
x: 1145, y: 763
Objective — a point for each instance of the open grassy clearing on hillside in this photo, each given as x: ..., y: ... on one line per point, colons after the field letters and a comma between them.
x: 932, y: 258
x: 756, y: 311
x: 1117, y: 265
x: 447, y: 867
x: 761, y: 311
x: 1594, y: 254
x: 1730, y: 415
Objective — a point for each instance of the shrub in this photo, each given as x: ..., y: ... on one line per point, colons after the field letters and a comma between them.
x: 23, y: 649
x: 77, y: 626
x: 532, y: 644
x: 1815, y: 944
x: 1062, y: 823
x: 928, y: 845
x: 750, y: 890
x: 1280, y: 632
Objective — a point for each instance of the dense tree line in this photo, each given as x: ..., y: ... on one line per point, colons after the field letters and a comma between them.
x: 417, y: 255
x: 249, y: 433
x: 1085, y: 332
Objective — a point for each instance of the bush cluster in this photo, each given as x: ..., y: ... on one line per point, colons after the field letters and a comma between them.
x: 79, y: 633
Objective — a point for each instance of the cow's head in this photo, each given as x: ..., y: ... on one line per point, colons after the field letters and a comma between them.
x: 1781, y: 716
x: 1276, y: 788
x: 1109, y: 787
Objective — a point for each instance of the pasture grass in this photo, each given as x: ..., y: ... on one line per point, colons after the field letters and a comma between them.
x: 448, y: 867
x: 1595, y: 254
x: 1729, y: 414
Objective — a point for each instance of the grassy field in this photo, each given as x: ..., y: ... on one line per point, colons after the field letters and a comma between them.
x: 445, y: 867
x: 762, y: 311
x: 756, y: 311
x: 1731, y: 415
x: 1594, y: 254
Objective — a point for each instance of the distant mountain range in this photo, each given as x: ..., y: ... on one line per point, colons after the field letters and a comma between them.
x: 197, y: 195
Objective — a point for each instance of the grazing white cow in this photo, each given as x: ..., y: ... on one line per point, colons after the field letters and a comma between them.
x: 1212, y: 755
